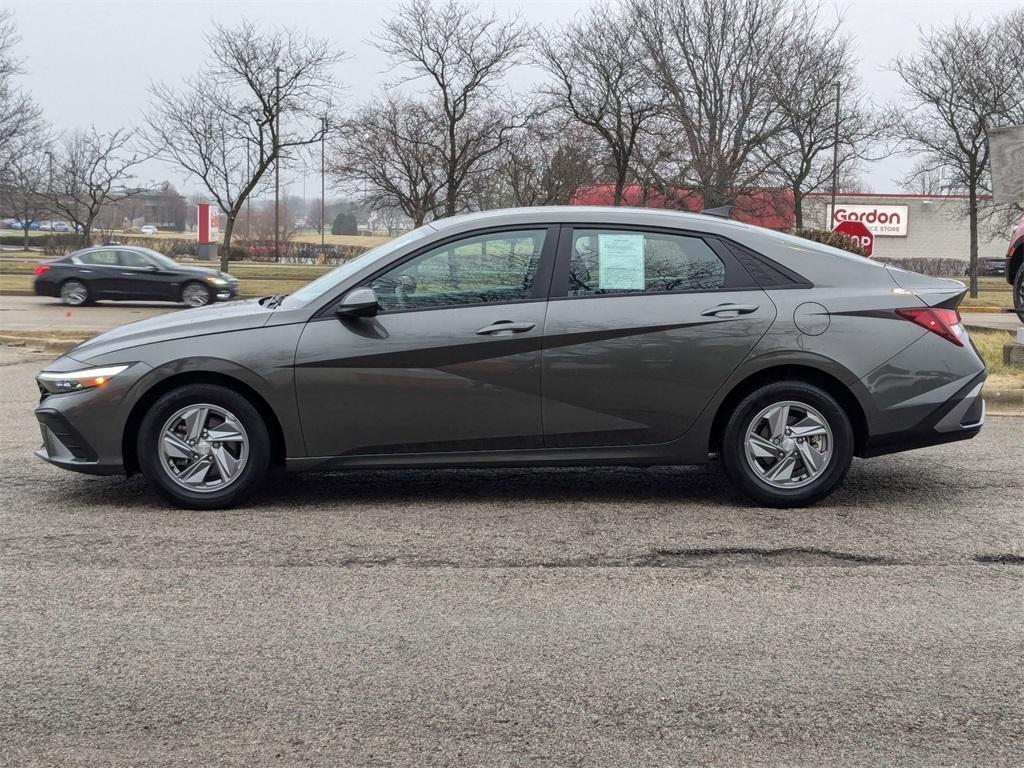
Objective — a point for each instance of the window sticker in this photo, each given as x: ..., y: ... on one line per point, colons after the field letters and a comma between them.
x: 620, y: 262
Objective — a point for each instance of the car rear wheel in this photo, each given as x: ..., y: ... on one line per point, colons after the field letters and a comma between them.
x: 203, y: 446
x: 787, y: 444
x: 195, y: 295
x: 74, y: 293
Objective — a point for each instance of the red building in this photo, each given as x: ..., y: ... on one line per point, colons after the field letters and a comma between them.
x: 770, y: 208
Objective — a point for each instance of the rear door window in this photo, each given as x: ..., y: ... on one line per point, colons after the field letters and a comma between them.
x: 609, y: 261
x: 99, y: 258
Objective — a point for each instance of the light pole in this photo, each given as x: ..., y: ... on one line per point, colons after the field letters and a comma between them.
x: 323, y: 185
x: 835, y: 161
x: 277, y: 162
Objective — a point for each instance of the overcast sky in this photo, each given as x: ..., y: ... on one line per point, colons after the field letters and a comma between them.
x: 90, y: 62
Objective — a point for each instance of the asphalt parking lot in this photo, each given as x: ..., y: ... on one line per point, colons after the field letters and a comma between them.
x: 561, y: 617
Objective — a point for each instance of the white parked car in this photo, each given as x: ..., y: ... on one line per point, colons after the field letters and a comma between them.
x: 149, y: 229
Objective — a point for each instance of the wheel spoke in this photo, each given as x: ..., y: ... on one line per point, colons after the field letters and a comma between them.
x: 227, y: 432
x: 195, y: 473
x: 175, y: 447
x: 808, y: 426
x: 195, y: 422
x: 777, y: 419
x: 227, y: 464
x: 812, y: 458
x: 783, y: 470
x: 762, y: 448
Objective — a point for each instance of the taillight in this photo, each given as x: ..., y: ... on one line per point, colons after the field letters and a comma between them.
x: 40, y: 269
x: 943, y: 322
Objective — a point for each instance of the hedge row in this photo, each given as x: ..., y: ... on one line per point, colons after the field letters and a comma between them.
x: 188, y: 248
x: 930, y: 267
x: 834, y: 239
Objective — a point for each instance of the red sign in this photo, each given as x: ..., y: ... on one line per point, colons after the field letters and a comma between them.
x: 859, y: 232
x: 209, y: 221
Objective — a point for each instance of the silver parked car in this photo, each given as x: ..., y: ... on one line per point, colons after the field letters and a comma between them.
x: 544, y: 336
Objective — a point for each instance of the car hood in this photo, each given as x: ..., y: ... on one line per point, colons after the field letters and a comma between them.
x: 216, y: 318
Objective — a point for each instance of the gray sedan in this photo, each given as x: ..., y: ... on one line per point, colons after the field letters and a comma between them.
x: 545, y: 336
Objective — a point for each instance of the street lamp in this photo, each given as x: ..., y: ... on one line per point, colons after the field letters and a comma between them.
x: 323, y: 184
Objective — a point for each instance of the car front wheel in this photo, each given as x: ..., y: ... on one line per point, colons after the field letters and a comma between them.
x: 195, y: 295
x: 203, y: 446
x: 787, y: 444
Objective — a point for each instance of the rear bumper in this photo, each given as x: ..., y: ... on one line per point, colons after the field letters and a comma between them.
x: 959, y: 418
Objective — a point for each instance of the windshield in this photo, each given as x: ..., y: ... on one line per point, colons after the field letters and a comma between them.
x: 335, y: 277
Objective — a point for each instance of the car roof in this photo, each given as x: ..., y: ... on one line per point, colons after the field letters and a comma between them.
x: 594, y: 214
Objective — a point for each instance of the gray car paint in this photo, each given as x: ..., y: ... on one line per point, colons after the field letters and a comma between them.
x: 630, y: 379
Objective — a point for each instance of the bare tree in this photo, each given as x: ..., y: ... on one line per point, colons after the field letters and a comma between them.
x: 545, y: 164
x: 959, y: 86
x: 818, y: 67
x: 598, y: 82
x: 91, y: 169
x: 261, y: 98
x: 710, y: 57
x: 463, y: 55
x: 391, y: 146
x: 24, y: 178
x: 20, y: 117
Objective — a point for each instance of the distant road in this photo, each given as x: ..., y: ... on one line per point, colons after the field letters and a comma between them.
x: 27, y: 313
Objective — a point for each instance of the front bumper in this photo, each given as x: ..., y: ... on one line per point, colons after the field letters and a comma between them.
x: 82, y: 431
x: 226, y: 292
x: 64, y: 446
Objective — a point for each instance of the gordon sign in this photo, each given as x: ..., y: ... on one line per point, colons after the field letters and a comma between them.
x: 882, y: 220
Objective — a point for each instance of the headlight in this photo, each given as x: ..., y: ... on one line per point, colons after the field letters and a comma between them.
x: 75, y: 381
x: 217, y: 280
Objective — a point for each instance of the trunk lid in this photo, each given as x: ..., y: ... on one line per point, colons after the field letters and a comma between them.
x: 932, y: 291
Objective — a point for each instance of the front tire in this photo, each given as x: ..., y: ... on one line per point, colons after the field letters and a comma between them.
x: 787, y: 444
x: 195, y: 294
x: 204, y: 446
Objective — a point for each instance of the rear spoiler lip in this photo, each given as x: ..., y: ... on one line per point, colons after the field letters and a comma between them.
x: 938, y: 292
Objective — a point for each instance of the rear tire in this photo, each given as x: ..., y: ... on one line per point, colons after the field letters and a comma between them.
x: 74, y: 293
x: 787, y: 444
x: 204, y: 446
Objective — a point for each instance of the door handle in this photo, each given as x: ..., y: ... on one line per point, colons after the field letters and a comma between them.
x: 504, y: 328
x: 730, y: 310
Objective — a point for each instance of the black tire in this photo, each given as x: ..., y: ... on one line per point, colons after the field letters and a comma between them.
x: 159, y: 477
x: 1018, y: 293
x: 733, y: 446
x: 76, y: 287
x: 192, y: 285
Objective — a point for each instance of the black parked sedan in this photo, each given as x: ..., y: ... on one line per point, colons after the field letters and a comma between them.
x: 122, y: 273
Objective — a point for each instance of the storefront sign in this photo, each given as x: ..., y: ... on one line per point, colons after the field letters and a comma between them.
x: 882, y: 220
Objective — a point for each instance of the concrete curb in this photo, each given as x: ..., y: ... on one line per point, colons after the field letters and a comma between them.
x: 45, y: 343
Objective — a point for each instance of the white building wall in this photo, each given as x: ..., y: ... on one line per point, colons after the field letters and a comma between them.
x: 937, y: 227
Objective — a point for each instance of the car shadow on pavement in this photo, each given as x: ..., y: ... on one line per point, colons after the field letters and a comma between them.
x: 868, y: 484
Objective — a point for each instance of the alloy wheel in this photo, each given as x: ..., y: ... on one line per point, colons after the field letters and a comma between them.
x: 788, y: 444
x: 203, y: 448
x: 74, y: 293
x: 195, y: 295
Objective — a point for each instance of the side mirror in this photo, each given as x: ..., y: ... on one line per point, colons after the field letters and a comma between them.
x: 360, y: 302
